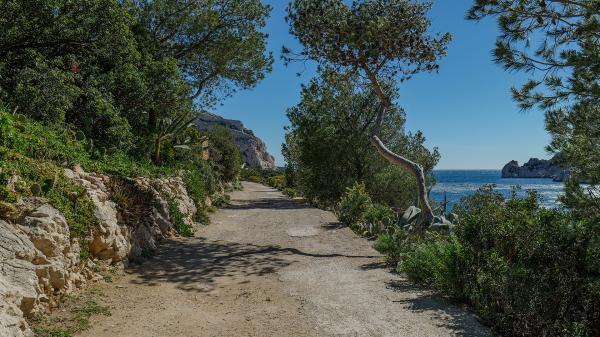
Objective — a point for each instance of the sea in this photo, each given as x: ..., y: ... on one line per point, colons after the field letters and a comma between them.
x: 455, y: 184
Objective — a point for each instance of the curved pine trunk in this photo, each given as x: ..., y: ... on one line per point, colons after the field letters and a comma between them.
x: 413, y: 168
x: 417, y: 171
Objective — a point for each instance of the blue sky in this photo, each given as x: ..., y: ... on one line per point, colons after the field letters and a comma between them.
x: 465, y: 110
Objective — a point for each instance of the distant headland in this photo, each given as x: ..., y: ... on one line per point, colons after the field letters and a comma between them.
x: 536, y: 168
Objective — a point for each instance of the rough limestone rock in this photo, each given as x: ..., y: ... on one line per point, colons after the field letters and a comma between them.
x: 19, y: 287
x: 39, y: 264
x: 157, y: 225
x: 536, y: 168
x: 57, y: 265
x: 175, y: 188
x: 119, y: 240
x: 253, y: 148
x: 110, y: 239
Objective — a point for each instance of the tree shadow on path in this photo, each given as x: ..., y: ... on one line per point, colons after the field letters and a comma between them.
x: 268, y: 203
x: 196, y: 264
x: 450, y: 316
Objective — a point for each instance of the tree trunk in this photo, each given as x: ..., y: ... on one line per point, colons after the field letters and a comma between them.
x: 156, y: 153
x: 417, y: 171
x: 413, y: 168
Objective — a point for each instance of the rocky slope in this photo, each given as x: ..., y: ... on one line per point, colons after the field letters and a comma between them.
x: 254, y: 150
x: 40, y: 262
x: 536, y: 168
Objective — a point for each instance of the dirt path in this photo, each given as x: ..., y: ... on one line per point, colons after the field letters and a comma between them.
x: 269, y: 266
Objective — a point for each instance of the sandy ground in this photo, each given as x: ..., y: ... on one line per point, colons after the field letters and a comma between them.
x: 270, y: 266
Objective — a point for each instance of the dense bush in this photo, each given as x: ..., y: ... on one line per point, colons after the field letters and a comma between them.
x: 290, y: 192
x: 224, y: 154
x: 529, y: 270
x: 354, y: 205
x: 178, y: 220
x: 435, y: 260
x: 277, y: 181
x: 34, y: 140
x: 356, y: 209
x: 258, y: 175
x: 379, y: 219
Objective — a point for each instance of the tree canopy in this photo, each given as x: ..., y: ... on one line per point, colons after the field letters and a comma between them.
x: 381, y: 41
x: 327, y: 144
x: 127, y: 73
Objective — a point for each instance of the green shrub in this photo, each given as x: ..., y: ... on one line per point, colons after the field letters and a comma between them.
x: 220, y: 200
x: 394, y: 245
x: 256, y: 179
x: 178, y: 220
x: 290, y: 192
x: 354, y: 204
x: 272, y: 177
x: 379, y: 219
x: 200, y: 182
x: 436, y: 261
x: 35, y: 140
x: 277, y: 182
x: 224, y: 154
x: 529, y: 270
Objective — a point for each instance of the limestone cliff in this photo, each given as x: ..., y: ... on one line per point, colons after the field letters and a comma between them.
x: 254, y: 150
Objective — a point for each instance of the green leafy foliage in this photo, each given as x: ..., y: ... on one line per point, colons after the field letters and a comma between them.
x: 178, y: 220
x: 379, y: 219
x: 527, y: 269
x: 218, y: 45
x: 277, y: 182
x: 34, y: 140
x: 128, y: 75
x: 260, y: 175
x: 532, y: 260
x: 290, y: 192
x: 328, y: 144
x: 373, y: 42
x: 220, y: 200
x: 354, y: 205
x: 436, y: 261
x: 224, y: 154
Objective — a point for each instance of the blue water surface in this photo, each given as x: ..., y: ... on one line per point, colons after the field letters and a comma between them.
x: 459, y: 183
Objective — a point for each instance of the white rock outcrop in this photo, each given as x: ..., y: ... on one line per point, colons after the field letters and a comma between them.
x: 110, y: 240
x: 117, y: 240
x: 39, y: 265
x: 40, y: 262
x: 253, y: 149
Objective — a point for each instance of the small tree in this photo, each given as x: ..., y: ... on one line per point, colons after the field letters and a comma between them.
x: 380, y: 40
x: 328, y: 143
